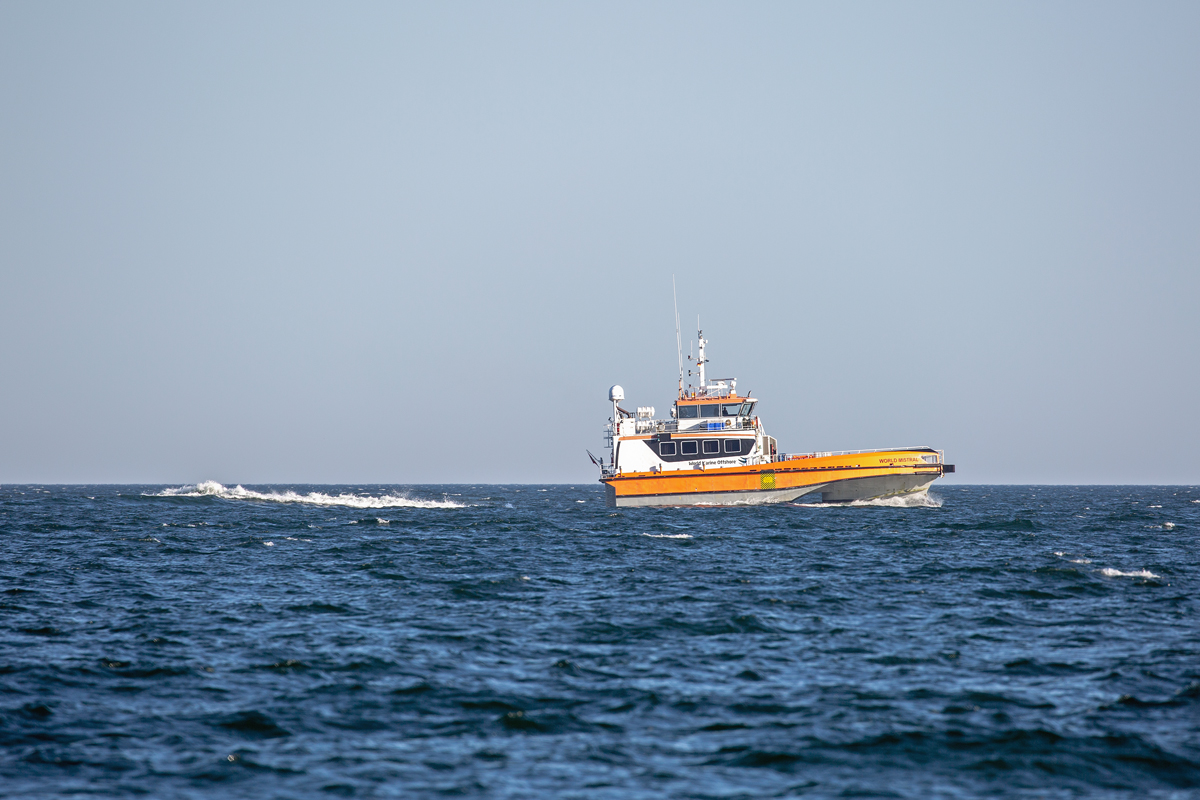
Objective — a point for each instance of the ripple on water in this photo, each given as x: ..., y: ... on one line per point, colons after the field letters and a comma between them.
x: 507, y: 641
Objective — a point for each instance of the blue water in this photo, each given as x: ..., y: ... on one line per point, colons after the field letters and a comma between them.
x: 526, y: 641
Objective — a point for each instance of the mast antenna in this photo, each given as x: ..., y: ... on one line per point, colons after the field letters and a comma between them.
x: 678, y: 341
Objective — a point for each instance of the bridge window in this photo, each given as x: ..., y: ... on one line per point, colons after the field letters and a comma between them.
x: 666, y: 448
x: 711, y: 446
x: 712, y: 410
x: 731, y: 410
x: 687, y: 448
x: 687, y: 412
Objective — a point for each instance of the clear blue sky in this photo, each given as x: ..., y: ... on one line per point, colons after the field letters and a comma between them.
x: 305, y: 243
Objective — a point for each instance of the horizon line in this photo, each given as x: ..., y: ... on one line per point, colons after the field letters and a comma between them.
x: 4, y: 484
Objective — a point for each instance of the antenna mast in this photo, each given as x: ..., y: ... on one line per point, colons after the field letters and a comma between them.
x: 678, y: 341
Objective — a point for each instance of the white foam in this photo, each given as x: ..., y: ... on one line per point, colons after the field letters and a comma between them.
x: 214, y: 489
x: 920, y: 499
x: 1116, y: 573
x: 1168, y: 525
x: 668, y: 535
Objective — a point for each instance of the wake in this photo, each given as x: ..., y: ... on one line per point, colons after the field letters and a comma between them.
x: 214, y: 489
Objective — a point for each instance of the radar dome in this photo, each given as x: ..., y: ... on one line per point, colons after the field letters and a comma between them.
x: 616, y: 394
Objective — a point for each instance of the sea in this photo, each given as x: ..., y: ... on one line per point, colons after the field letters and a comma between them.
x: 526, y: 641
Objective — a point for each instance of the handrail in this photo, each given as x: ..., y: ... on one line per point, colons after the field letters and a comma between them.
x: 827, y: 453
x: 699, y: 426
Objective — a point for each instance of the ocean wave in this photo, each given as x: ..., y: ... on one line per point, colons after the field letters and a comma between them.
x: 1109, y: 572
x: 668, y: 535
x: 214, y: 489
x: 921, y: 499
x: 916, y: 500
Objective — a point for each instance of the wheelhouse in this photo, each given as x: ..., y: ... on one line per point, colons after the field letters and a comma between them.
x: 703, y: 409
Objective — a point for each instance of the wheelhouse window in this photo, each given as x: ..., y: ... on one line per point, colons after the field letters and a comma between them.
x: 747, y: 409
x: 731, y: 409
x: 687, y: 448
x: 711, y: 446
x: 666, y: 448
x: 687, y: 412
x: 733, y: 445
x: 710, y: 410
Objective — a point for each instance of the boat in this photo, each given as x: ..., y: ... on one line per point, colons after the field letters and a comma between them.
x: 714, y: 450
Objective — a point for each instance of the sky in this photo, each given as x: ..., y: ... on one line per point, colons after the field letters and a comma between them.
x: 416, y: 243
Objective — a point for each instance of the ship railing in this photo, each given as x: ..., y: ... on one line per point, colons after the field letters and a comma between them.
x: 714, y: 424
x: 717, y: 389
x: 826, y: 453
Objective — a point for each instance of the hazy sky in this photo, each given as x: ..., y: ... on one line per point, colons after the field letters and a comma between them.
x: 279, y: 242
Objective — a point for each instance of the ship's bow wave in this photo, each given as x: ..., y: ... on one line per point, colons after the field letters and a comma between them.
x: 922, y: 499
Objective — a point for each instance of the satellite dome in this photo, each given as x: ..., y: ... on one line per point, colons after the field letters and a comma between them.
x: 616, y: 394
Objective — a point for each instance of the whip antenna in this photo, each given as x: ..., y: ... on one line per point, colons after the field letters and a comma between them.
x: 678, y: 341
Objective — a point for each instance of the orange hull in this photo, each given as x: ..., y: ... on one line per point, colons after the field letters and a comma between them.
x: 838, y: 477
